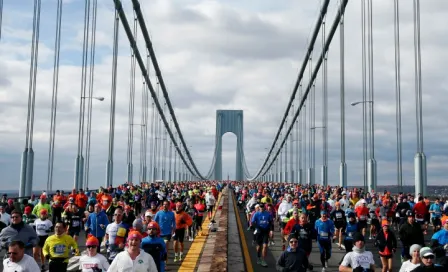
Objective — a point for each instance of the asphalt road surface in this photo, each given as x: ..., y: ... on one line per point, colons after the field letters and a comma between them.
x: 275, y: 251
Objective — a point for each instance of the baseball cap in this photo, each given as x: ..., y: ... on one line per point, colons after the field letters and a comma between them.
x: 425, y: 252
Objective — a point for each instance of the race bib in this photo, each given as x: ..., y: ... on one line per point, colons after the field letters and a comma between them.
x: 362, y: 217
x: 59, y: 249
x: 323, y: 234
x: 338, y: 216
x: 303, y: 234
x: 350, y: 234
x: 397, y: 214
x: 41, y: 227
x: 75, y: 223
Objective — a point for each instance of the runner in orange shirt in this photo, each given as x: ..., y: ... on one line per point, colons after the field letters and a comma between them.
x: 183, y: 221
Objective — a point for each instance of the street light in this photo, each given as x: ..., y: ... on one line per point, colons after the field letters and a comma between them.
x: 99, y: 98
x: 371, y: 164
x: 360, y: 102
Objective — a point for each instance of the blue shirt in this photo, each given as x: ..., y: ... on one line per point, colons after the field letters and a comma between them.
x: 147, y: 241
x: 441, y: 236
x: 262, y: 220
x: 325, y: 229
x: 350, y: 230
x: 166, y: 221
x: 437, y: 211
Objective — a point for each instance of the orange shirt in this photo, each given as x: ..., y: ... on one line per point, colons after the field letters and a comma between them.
x: 57, y: 201
x: 362, y: 212
x: 81, y: 200
x: 183, y: 220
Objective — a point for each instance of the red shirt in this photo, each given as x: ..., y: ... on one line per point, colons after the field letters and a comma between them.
x: 362, y: 212
x: 420, y: 209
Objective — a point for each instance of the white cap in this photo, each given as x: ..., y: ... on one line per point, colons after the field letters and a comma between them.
x: 148, y: 214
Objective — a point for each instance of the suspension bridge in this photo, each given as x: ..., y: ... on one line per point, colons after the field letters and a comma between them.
x: 117, y: 70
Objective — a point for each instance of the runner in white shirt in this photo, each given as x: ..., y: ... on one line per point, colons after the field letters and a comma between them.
x: 93, y: 261
x: 43, y: 228
x: 410, y: 265
x: 359, y: 257
x: 133, y: 259
x: 18, y: 261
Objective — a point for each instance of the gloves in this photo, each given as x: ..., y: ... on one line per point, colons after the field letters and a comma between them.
x: 47, y: 257
x: 445, y: 247
x: 77, y: 252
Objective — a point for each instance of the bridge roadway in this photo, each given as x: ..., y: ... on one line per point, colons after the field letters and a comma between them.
x: 275, y: 251
x: 193, y: 251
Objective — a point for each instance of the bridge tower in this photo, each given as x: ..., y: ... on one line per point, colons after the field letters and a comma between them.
x: 229, y: 121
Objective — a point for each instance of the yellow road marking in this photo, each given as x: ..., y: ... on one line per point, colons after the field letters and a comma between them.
x: 194, y: 253
x: 247, y: 260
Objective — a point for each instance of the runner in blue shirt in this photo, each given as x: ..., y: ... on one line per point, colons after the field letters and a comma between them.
x: 325, y: 231
x: 264, y: 225
x: 167, y: 223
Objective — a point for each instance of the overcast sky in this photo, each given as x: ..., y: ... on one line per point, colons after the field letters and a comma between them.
x: 222, y: 55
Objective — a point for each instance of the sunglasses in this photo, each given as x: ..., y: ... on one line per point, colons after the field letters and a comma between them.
x: 293, y: 242
x: 429, y: 257
x: 91, y: 246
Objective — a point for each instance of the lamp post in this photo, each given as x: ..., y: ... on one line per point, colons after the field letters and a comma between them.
x: 371, y: 163
x: 89, y: 132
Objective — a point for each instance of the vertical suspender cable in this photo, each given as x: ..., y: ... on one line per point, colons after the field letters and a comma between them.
x: 130, y: 166
x: 54, y: 99
x: 91, y: 85
x: 364, y: 91
x: 175, y: 161
x: 324, y: 111
x: 170, y: 172
x: 79, y: 159
x: 110, y: 161
x: 343, y: 165
x: 142, y: 135
x: 398, y: 93
x: 420, y: 158
x: 291, y: 151
x: 285, y: 151
x: 164, y: 145
x: 300, y: 131
x: 26, y: 176
x: 371, y: 167
x: 1, y: 17
x: 157, y: 138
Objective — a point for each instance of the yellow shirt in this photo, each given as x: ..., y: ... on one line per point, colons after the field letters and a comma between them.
x: 266, y: 200
x: 59, y: 246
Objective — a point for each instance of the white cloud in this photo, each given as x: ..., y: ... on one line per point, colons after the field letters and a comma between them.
x: 221, y: 55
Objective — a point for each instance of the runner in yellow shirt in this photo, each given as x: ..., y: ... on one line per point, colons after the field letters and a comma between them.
x: 57, y: 248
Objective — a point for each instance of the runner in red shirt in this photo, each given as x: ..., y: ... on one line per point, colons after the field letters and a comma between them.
x: 420, y: 211
x: 362, y: 212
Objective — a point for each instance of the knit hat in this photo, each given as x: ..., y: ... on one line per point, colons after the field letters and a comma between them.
x: 358, y: 237
x: 134, y: 235
x: 92, y: 241
x: 414, y: 247
x: 137, y: 224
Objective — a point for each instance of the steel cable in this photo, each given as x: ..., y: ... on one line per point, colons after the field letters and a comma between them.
x: 54, y: 98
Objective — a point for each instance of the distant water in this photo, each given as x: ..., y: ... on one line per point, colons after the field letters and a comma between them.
x: 15, y: 193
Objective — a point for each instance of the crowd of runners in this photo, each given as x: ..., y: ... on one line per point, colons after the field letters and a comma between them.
x: 128, y: 228
x: 134, y: 226
x: 345, y: 218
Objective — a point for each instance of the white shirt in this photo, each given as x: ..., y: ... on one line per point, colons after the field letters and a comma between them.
x: 5, y: 218
x: 123, y: 263
x: 284, y: 208
x: 86, y: 263
x: 27, y: 264
x: 354, y: 259
x: 344, y: 204
x: 210, y: 199
x: 408, y: 266
x: 42, y: 226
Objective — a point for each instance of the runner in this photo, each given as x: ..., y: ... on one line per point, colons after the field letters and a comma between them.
x: 359, y: 259
x: 325, y: 229
x: 264, y: 225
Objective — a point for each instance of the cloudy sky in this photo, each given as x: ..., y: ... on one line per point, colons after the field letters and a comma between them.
x: 222, y: 55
